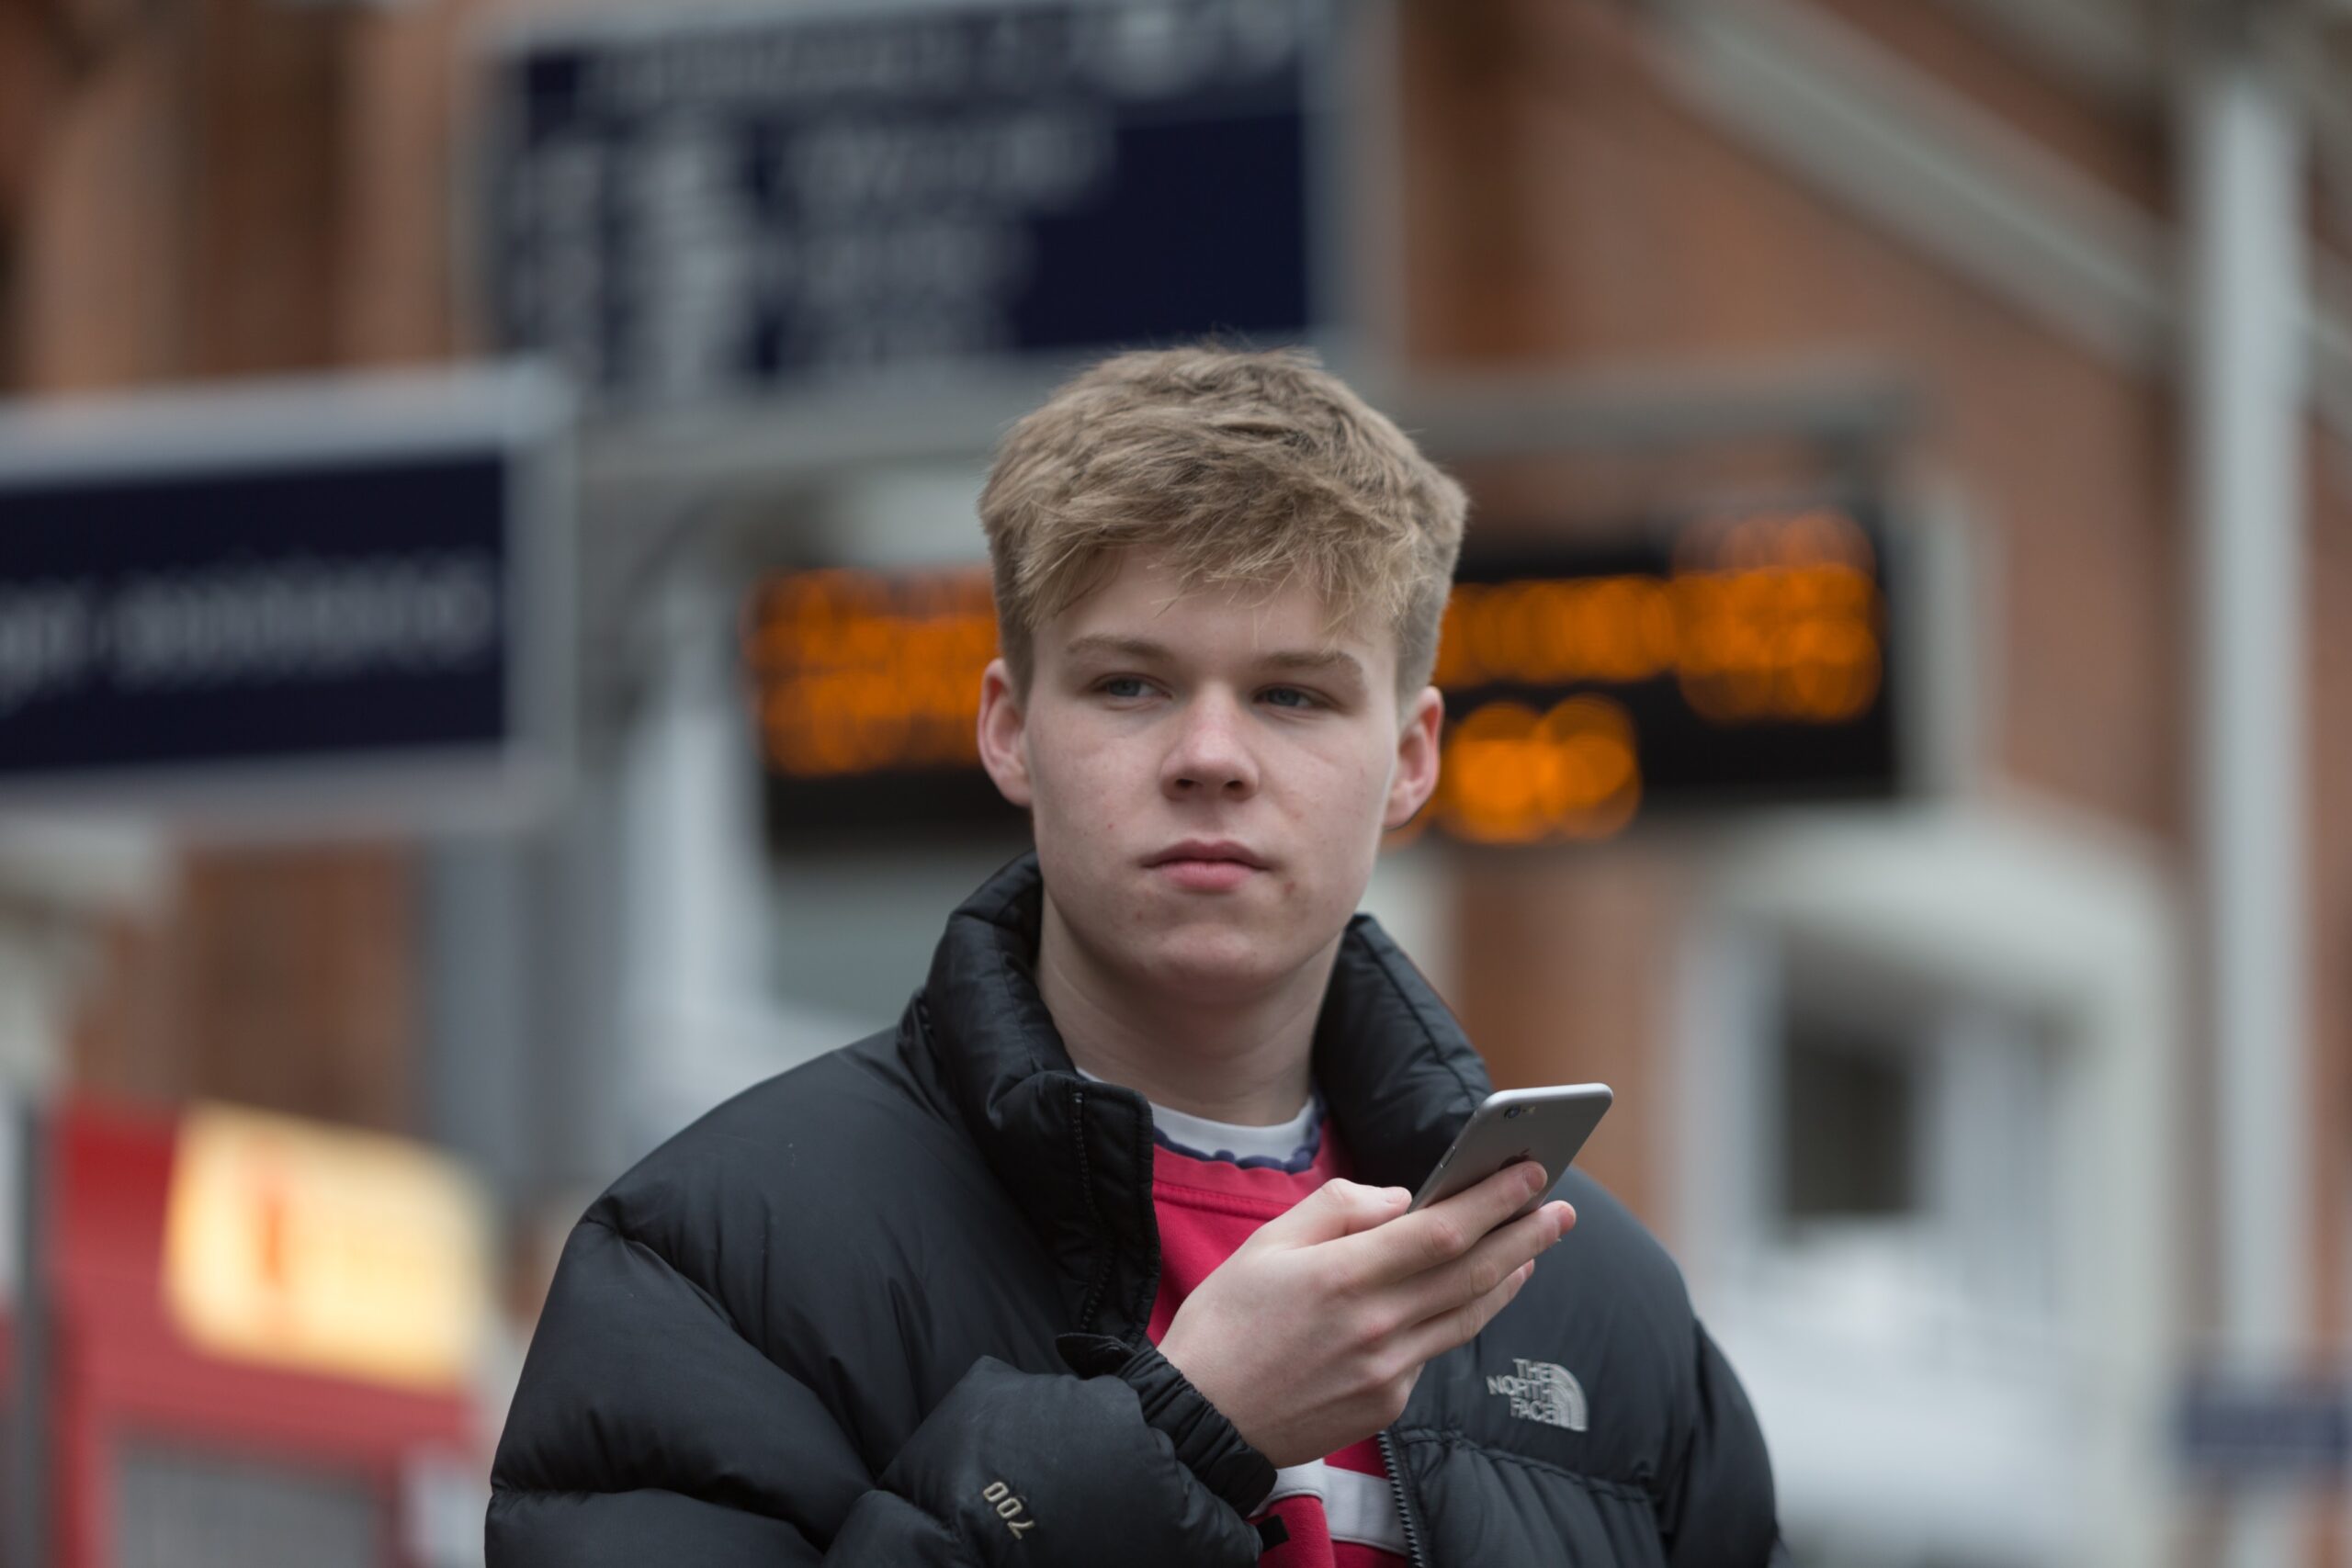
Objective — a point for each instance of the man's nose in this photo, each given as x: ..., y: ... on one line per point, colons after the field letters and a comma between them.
x: 1212, y: 753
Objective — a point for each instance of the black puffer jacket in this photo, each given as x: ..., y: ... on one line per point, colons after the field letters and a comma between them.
x: 889, y: 1309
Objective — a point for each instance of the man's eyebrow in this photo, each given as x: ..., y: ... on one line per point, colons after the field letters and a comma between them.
x: 1311, y: 661
x: 1107, y: 645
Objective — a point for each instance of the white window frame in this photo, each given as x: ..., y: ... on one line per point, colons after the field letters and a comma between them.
x: 1975, y: 1254
x: 1993, y: 1443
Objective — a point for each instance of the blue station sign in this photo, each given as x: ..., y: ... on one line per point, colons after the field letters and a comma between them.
x: 694, y: 209
x: 284, y: 598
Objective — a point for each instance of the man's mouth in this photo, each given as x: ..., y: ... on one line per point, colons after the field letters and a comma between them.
x: 1208, y: 865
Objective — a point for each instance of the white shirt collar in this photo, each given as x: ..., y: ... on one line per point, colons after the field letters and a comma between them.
x: 1232, y: 1139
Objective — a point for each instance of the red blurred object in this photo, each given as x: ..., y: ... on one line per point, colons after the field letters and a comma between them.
x: 162, y: 1451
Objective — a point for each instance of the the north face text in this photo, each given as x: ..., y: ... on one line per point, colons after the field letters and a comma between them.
x: 1540, y: 1391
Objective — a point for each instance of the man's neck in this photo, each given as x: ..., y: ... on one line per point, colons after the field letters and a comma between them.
x: 1242, y: 1060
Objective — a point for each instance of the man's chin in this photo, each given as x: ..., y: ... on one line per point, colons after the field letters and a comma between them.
x: 1216, y: 965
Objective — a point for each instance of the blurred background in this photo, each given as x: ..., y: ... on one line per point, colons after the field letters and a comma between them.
x: 490, y: 620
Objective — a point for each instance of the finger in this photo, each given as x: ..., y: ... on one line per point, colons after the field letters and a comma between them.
x: 1502, y: 1253
x: 1437, y: 1235
x: 1434, y: 1336
x: 1334, y: 1210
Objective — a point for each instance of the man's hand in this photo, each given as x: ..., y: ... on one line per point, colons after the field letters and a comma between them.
x: 1310, y: 1337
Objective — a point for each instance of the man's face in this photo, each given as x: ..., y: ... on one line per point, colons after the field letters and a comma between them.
x: 1208, y: 776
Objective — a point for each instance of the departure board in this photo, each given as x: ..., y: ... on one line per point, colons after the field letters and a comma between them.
x: 1716, y: 660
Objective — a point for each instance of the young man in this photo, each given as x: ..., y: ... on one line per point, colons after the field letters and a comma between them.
x: 1101, y: 1256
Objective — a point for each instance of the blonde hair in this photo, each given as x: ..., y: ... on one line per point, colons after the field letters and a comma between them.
x: 1251, y: 468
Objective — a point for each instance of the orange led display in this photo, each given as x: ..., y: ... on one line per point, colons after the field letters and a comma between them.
x: 1508, y: 776
x: 1768, y: 620
x: 858, y: 672
x: 1763, y: 622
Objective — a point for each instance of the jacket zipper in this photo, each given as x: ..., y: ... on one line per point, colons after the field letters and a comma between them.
x: 1413, y: 1552
x: 1101, y: 1279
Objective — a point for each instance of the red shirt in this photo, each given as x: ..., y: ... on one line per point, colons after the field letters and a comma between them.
x: 1338, y: 1512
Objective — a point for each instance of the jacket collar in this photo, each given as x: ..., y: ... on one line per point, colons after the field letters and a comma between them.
x: 1396, y: 1072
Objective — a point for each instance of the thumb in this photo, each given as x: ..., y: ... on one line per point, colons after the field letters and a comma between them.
x: 1337, y: 1208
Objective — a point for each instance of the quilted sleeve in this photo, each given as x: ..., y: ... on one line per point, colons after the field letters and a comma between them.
x: 1719, y: 1509
x: 646, y: 1428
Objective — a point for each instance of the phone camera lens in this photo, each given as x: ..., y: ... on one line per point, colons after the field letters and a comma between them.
x: 1512, y: 1112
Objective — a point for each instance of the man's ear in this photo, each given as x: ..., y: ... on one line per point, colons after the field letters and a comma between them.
x: 1416, y: 751
x: 1003, y: 726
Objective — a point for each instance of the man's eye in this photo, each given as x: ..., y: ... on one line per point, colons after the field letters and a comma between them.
x: 1291, y: 698
x: 1122, y: 686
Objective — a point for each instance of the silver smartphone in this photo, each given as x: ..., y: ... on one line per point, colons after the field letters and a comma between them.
x: 1546, y: 1126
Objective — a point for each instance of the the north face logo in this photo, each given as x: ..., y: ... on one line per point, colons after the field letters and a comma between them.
x: 1539, y: 1391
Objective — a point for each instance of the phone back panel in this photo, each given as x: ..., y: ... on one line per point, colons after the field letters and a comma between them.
x: 1547, y: 1125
